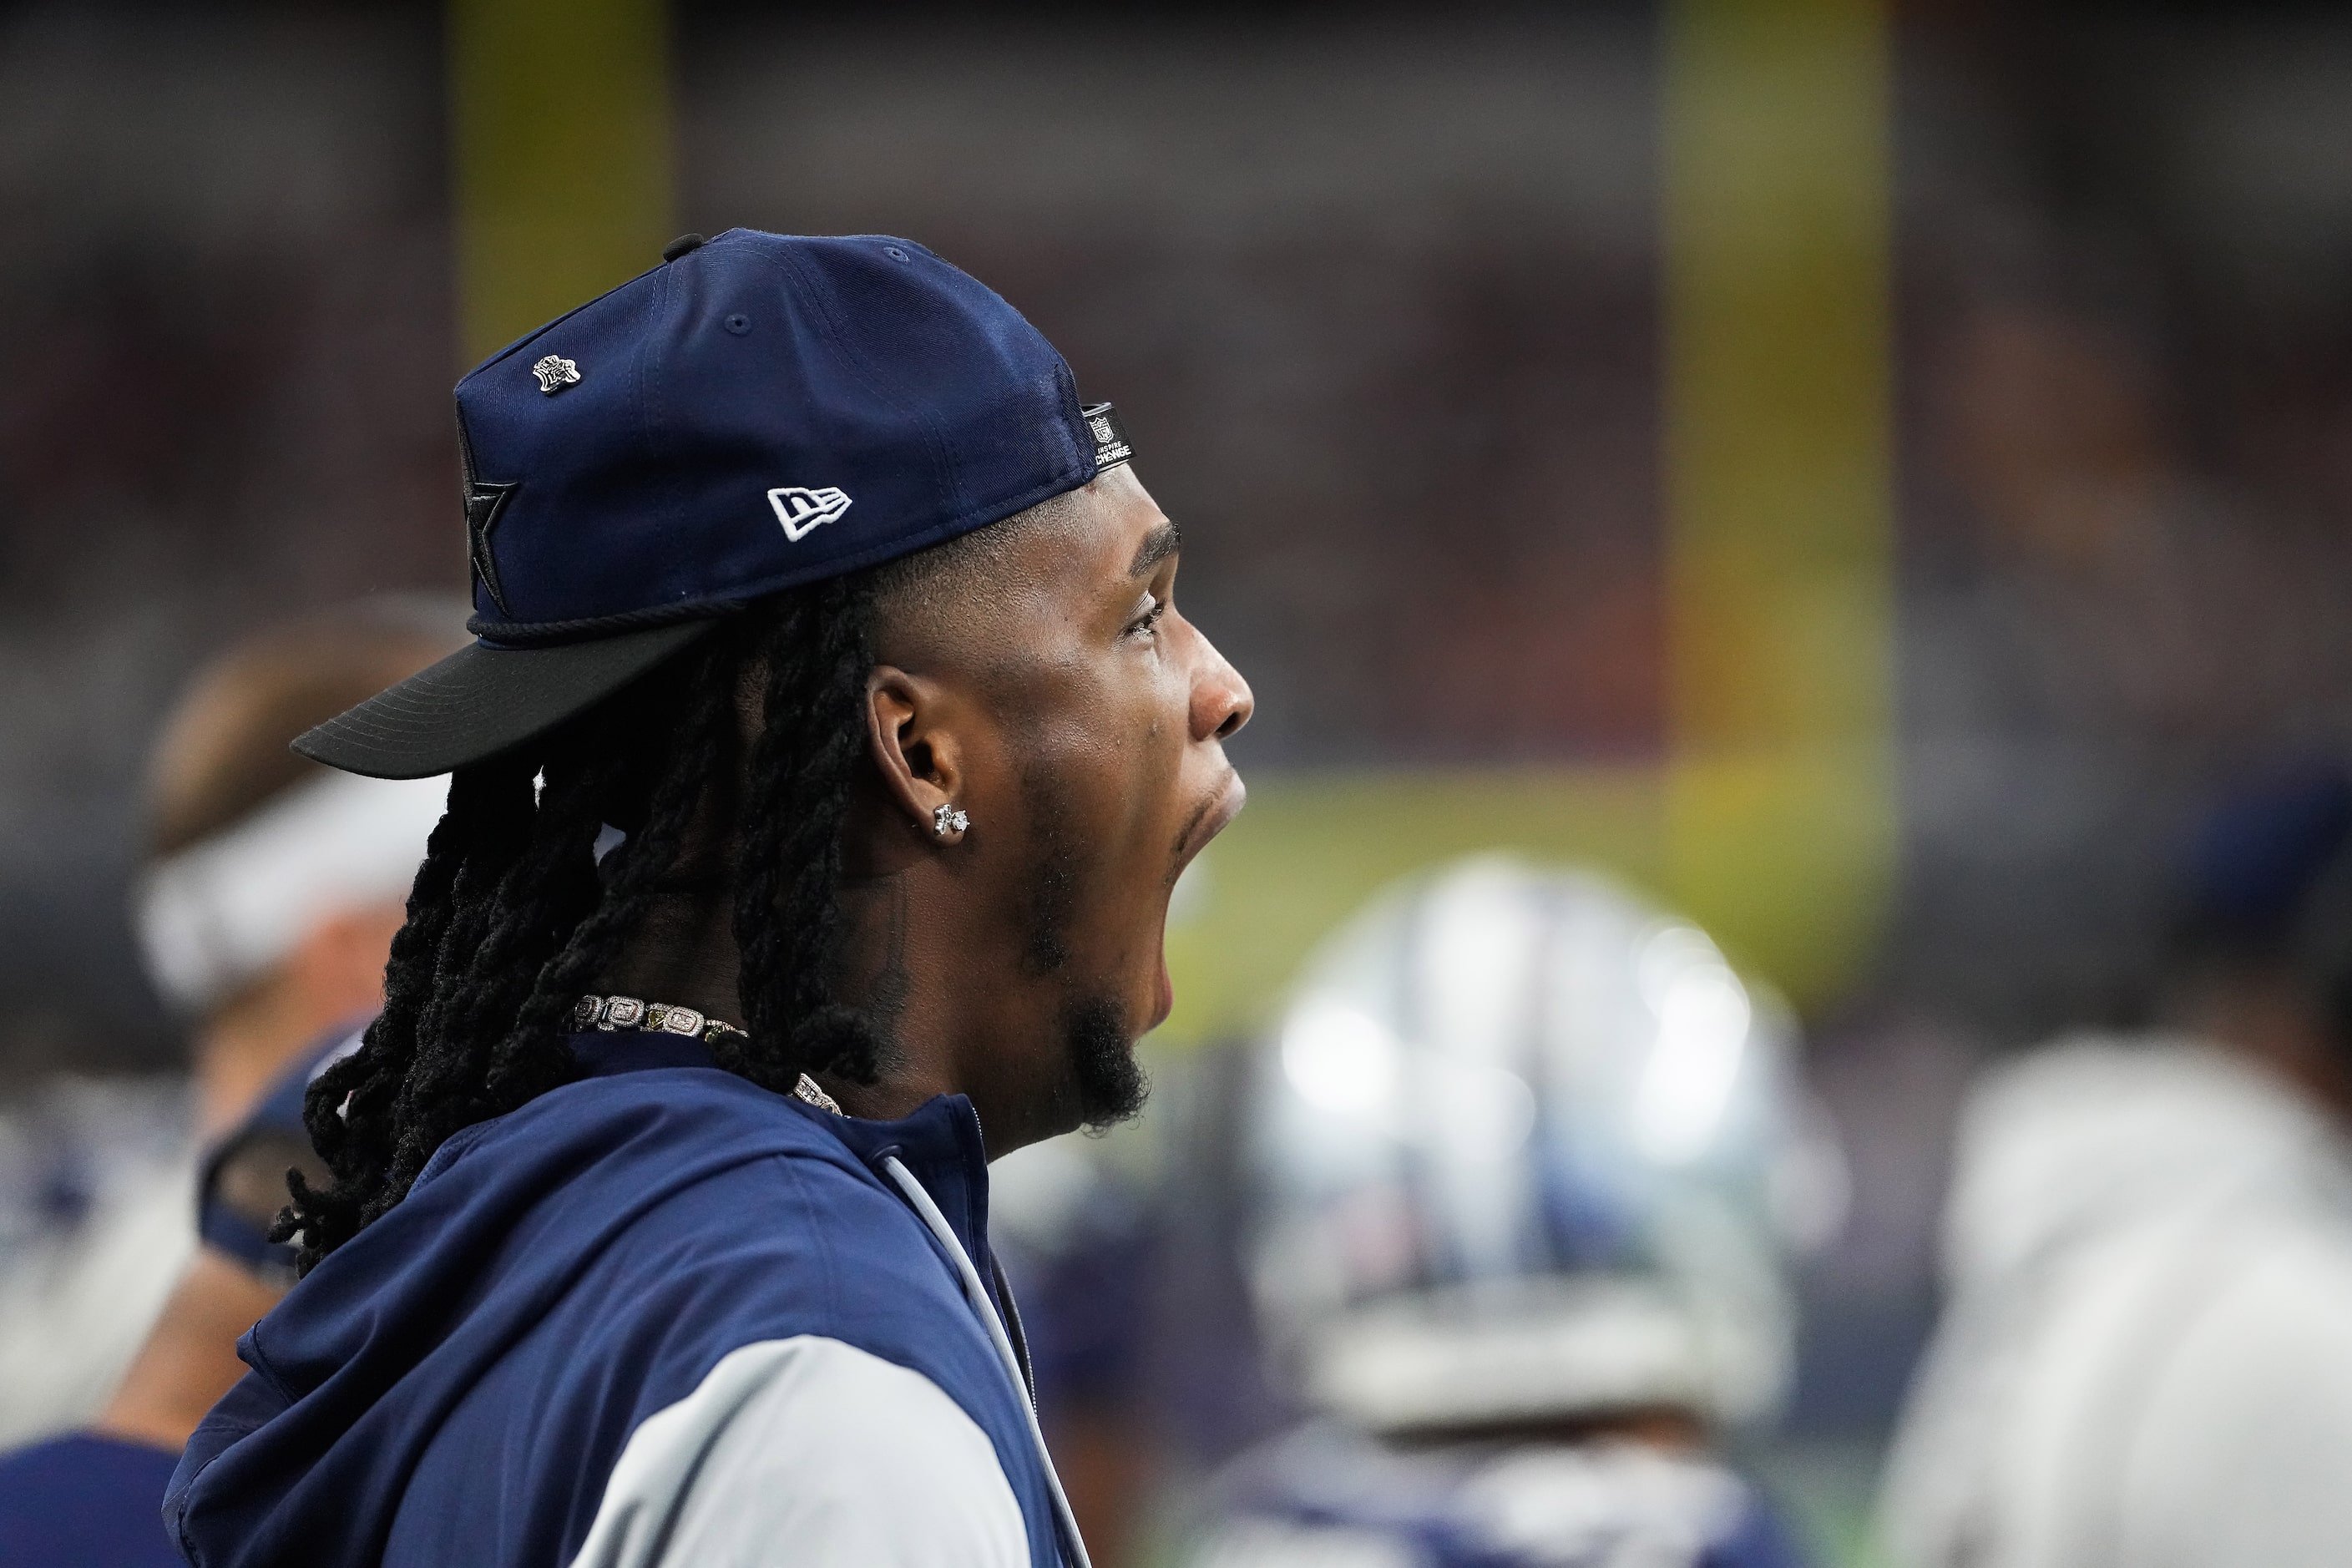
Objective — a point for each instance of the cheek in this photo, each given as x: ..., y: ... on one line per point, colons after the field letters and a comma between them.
x: 1153, y: 767
x: 1137, y: 753
x: 1114, y: 751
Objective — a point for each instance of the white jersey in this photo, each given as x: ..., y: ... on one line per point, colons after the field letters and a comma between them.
x: 2147, y: 1361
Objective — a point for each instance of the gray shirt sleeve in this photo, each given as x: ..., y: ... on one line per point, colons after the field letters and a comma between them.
x: 811, y: 1452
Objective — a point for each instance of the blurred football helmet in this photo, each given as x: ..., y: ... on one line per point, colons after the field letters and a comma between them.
x: 1527, y: 1149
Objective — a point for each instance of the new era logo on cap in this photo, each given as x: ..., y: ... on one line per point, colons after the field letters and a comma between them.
x: 801, y: 512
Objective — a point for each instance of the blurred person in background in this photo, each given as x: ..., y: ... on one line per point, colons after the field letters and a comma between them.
x: 2147, y: 1353
x: 266, y: 906
x: 1532, y: 1160
x: 94, y: 1498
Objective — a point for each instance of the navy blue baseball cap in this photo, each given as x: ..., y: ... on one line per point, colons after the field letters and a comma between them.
x: 759, y: 411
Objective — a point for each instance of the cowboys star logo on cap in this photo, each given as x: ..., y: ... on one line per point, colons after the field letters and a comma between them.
x: 801, y: 512
x: 556, y: 374
x: 484, y: 500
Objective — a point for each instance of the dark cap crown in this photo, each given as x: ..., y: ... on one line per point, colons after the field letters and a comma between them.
x: 759, y: 411
x: 764, y: 411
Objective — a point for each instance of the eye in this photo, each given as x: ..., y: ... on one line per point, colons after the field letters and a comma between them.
x: 1146, y: 624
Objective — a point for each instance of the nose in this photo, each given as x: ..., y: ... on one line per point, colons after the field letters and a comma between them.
x: 1221, y: 702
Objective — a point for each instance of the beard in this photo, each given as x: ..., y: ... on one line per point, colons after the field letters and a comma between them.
x: 1111, y: 1084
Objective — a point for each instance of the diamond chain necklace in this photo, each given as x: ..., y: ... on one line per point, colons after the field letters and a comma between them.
x: 611, y: 1014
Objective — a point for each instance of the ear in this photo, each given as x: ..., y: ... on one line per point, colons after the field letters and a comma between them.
x: 911, y: 734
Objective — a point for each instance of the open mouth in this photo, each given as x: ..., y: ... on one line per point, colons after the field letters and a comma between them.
x: 1213, y: 816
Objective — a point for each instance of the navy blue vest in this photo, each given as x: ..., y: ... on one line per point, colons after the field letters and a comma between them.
x: 455, y: 1382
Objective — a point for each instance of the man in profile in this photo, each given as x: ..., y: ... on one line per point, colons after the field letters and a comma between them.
x: 820, y: 781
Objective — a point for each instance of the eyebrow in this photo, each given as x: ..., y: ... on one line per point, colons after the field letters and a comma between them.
x: 1157, y: 546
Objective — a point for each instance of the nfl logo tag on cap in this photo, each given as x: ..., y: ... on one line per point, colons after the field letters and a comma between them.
x: 1110, y: 436
x: 612, y: 525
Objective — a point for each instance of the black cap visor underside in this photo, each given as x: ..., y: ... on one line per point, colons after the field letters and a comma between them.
x: 485, y: 700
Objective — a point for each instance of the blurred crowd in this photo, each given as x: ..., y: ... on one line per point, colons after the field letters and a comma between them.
x: 1529, y: 1228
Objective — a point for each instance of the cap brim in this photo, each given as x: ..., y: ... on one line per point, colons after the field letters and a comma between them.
x: 483, y: 699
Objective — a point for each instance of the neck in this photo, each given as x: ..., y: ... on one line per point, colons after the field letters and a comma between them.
x: 2266, y: 1020
x: 917, y: 973
x: 683, y: 953
x: 894, y: 980
x: 946, y: 984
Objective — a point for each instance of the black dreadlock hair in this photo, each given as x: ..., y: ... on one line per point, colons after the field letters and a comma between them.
x: 512, y: 918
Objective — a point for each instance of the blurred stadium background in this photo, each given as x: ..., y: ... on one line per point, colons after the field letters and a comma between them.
x: 1860, y: 474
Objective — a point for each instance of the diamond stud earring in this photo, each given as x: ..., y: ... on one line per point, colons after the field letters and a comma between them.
x: 947, y: 819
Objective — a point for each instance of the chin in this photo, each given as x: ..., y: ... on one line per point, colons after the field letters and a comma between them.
x: 1109, y: 1082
